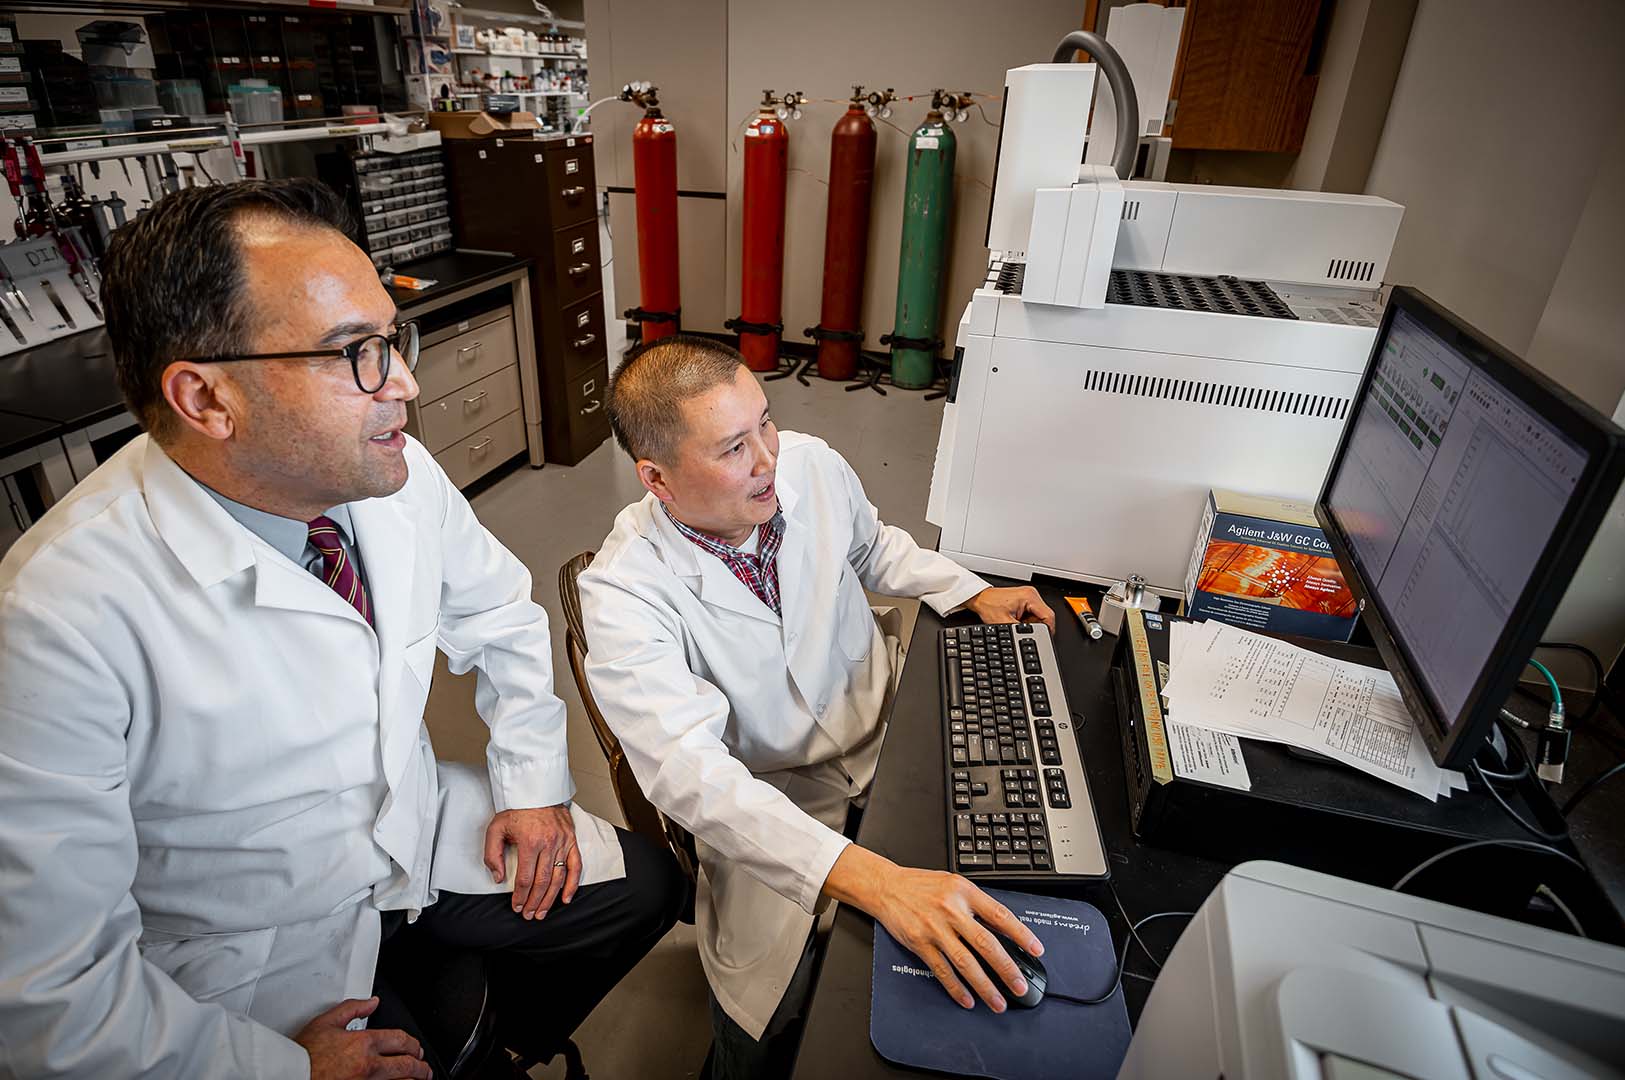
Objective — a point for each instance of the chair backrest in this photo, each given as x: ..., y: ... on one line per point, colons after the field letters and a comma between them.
x: 641, y: 815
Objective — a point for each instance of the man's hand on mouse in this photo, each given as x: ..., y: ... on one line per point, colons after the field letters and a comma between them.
x: 1019, y: 604
x: 935, y: 915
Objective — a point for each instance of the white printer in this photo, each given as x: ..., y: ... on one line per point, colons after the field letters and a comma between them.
x: 1139, y: 343
x: 1288, y: 973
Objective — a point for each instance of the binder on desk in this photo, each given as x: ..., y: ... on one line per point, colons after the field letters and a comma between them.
x: 912, y: 1022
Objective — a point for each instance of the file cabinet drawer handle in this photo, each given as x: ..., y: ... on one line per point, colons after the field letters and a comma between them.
x: 462, y: 353
x: 583, y: 341
x: 480, y: 447
x: 573, y: 192
x: 476, y: 400
x: 579, y: 268
x: 594, y: 407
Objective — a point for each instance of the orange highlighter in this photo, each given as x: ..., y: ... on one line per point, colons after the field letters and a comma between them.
x: 1086, y: 616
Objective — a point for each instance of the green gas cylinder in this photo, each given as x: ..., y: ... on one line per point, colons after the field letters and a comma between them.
x: 928, y: 199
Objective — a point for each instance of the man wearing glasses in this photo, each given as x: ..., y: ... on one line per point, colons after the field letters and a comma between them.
x: 225, y: 842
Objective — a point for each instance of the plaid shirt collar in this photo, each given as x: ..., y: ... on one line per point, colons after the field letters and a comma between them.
x: 759, y: 572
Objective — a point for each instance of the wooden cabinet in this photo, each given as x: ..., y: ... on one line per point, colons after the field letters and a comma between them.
x: 1247, y: 75
x: 535, y: 197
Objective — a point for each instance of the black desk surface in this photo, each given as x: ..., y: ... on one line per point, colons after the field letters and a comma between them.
x: 69, y: 383
x: 19, y: 432
x: 453, y: 270
x: 905, y: 822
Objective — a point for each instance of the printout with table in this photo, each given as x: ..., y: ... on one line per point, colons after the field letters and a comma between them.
x: 1225, y: 682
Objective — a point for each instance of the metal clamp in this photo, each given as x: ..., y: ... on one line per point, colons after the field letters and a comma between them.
x: 637, y: 314
x: 745, y: 326
x: 818, y: 333
x: 897, y: 341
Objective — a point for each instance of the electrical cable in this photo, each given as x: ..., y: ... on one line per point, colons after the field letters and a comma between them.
x: 1506, y: 777
x: 1589, y: 786
x: 1527, y: 826
x: 1551, y: 680
x: 1123, y: 911
x: 1557, y: 902
x: 1528, y: 845
x: 1122, y: 961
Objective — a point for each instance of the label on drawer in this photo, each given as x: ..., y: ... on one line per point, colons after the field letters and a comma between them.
x: 578, y: 245
x: 583, y: 318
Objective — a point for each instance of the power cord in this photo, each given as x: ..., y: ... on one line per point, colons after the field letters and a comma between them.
x: 1122, y: 961
x: 1589, y: 786
x: 1523, y: 823
x: 1527, y: 845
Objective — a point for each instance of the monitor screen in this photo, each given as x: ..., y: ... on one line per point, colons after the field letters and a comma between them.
x: 1448, y: 490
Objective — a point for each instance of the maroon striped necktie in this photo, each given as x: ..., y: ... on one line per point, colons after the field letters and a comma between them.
x: 337, y: 568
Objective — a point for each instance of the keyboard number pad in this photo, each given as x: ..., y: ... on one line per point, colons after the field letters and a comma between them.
x: 1012, y: 840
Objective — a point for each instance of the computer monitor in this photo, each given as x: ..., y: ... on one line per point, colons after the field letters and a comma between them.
x: 1465, y: 490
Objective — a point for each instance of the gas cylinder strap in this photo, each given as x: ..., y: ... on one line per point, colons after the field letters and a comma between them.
x: 638, y: 314
x: 898, y: 342
x: 743, y: 326
x: 818, y: 333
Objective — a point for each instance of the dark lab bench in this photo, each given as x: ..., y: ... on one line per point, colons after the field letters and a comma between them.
x: 905, y: 821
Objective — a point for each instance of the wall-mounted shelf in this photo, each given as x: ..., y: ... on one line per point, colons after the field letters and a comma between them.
x: 519, y: 17
x: 516, y: 93
x: 516, y: 55
x: 136, y: 7
x: 196, y: 144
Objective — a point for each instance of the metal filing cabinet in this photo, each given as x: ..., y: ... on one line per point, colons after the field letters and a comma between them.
x: 535, y: 197
x: 469, y: 408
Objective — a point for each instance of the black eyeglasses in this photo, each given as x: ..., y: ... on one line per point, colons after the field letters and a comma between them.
x: 369, y: 356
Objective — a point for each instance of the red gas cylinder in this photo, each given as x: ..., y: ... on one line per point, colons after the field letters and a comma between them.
x: 761, y: 287
x: 654, y: 179
x: 846, y: 241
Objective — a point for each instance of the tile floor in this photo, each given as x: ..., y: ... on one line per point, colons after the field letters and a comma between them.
x: 655, y: 1024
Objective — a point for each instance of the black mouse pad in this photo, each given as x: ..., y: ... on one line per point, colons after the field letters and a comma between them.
x: 913, y: 1022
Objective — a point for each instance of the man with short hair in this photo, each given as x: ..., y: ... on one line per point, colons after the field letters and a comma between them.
x: 224, y: 838
x: 732, y: 649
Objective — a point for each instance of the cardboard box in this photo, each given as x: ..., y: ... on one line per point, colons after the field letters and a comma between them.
x: 1264, y: 564
x: 481, y: 125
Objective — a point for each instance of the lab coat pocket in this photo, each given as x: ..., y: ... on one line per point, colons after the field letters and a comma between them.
x: 222, y: 969
x: 856, y: 632
x: 418, y: 657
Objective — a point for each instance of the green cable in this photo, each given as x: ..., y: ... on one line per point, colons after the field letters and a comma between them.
x: 1557, y: 695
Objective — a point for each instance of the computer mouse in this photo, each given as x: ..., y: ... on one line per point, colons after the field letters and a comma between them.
x: 1031, y: 968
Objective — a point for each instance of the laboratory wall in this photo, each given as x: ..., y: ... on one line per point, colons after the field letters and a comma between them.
x: 717, y: 58
x: 1505, y: 142
x: 1365, y: 46
x: 1580, y: 341
x: 1493, y: 140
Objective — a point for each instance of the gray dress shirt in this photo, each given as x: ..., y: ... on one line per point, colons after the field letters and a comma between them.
x: 292, y: 536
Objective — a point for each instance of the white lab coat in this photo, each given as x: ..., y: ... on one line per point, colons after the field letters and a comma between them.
x: 213, y: 774
x: 756, y: 732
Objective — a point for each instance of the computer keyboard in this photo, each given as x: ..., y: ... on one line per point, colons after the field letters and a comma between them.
x: 1018, y: 799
